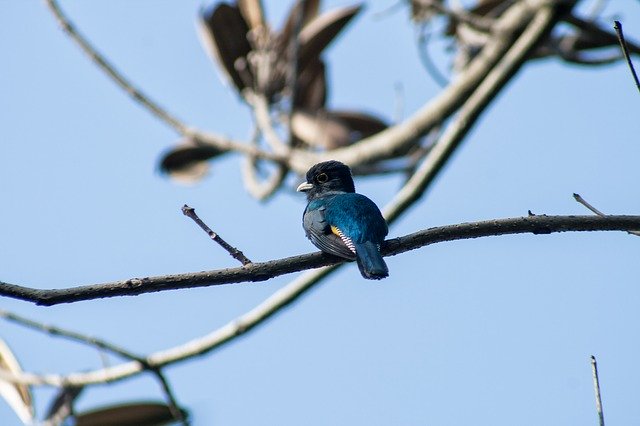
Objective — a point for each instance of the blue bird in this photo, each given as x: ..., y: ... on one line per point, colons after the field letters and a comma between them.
x: 340, y: 222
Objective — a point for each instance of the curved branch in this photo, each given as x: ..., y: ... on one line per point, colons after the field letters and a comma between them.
x: 263, y: 271
x: 112, y: 72
x: 220, y: 142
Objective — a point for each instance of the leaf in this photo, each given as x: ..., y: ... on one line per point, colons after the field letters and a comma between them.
x: 309, y: 11
x: 311, y: 90
x: 187, y: 162
x: 334, y: 129
x: 321, y: 31
x: 223, y: 32
x: 133, y: 414
x: 362, y: 123
x: 319, y: 129
x: 18, y: 396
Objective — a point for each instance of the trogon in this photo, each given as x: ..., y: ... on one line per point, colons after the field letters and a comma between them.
x: 340, y: 222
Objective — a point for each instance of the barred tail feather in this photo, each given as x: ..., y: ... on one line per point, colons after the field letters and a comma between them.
x: 370, y: 261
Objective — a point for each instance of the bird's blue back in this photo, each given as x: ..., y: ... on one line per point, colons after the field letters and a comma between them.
x: 354, y: 214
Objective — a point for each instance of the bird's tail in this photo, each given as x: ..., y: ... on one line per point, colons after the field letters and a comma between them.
x: 370, y: 261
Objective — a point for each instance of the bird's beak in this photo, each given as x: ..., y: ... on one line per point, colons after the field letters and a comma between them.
x: 304, y: 186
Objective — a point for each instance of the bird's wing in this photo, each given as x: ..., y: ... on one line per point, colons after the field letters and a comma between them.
x: 326, y: 238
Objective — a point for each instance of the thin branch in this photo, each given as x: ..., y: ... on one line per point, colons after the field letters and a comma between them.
x: 234, y: 252
x: 596, y: 389
x: 71, y: 335
x: 424, y: 36
x: 73, y: 391
x: 625, y: 49
x: 220, y: 142
x: 591, y: 28
x: 261, y: 113
x: 584, y: 202
x: 172, y: 402
x: 100, y: 60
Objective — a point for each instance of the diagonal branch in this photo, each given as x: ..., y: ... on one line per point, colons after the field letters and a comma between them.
x: 220, y: 142
x: 234, y: 252
x: 385, y: 143
x: 119, y: 78
x: 625, y: 49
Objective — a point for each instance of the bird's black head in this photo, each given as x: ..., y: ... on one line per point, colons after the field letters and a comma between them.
x: 329, y: 176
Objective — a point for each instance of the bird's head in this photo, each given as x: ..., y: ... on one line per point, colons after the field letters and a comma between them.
x: 327, y: 177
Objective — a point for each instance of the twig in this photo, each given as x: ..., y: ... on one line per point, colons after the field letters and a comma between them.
x: 584, y: 202
x: 119, y: 78
x: 261, y: 113
x: 73, y: 390
x: 596, y: 389
x: 174, y: 408
x: 71, y: 335
x: 423, y: 51
x: 234, y: 252
x: 625, y: 49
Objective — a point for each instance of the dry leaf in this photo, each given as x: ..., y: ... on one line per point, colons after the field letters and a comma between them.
x: 17, y: 396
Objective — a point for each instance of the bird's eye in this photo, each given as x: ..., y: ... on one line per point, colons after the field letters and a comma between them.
x: 322, y: 178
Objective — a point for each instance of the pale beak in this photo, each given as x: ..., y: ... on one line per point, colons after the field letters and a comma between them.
x: 304, y: 186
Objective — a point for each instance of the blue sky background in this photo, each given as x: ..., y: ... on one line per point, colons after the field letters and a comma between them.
x: 494, y: 331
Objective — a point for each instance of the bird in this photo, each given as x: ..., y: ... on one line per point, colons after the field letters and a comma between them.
x: 341, y: 222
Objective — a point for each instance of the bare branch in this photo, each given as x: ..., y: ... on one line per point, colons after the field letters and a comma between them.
x: 255, y: 272
x: 119, y: 78
x: 625, y: 49
x: 258, y: 271
x: 584, y: 202
x: 71, y: 335
x: 596, y: 389
x: 234, y: 252
x: 71, y: 392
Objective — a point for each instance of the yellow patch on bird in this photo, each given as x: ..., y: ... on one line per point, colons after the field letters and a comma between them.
x: 346, y: 240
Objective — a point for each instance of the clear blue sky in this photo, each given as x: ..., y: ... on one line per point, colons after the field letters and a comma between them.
x: 495, y: 331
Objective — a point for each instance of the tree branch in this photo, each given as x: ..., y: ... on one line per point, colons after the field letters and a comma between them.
x: 625, y: 49
x: 534, y: 224
x: 234, y: 252
x: 103, y: 345
x: 385, y: 143
x: 112, y: 72
x: 265, y: 270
